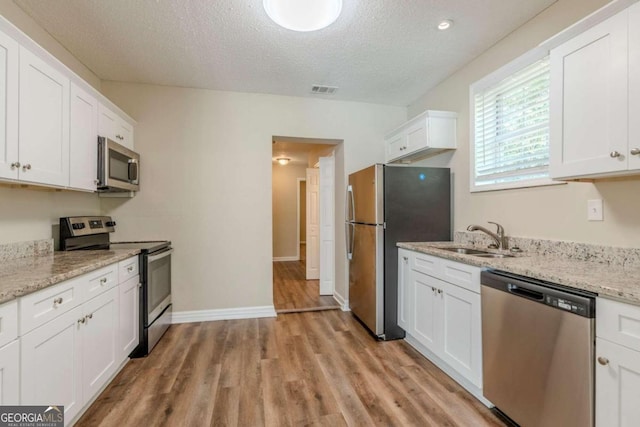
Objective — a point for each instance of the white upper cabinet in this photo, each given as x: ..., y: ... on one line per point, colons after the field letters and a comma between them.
x: 83, y: 150
x: 43, y: 122
x: 591, y: 78
x: 634, y: 86
x: 425, y: 135
x: 9, y: 49
x: 114, y: 127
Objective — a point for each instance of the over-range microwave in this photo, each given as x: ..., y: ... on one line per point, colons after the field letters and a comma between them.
x: 118, y: 167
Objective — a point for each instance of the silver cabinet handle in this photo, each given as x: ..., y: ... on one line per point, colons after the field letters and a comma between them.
x: 103, y: 281
x: 15, y: 165
x: 614, y: 154
x: 130, y: 268
x: 89, y: 316
x: 57, y: 301
x: 439, y: 291
x: 603, y: 361
x: 82, y: 320
x: 405, y: 258
x: 26, y: 167
x: 635, y: 151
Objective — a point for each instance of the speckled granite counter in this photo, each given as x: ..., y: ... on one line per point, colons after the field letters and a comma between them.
x: 617, y: 278
x: 23, y: 276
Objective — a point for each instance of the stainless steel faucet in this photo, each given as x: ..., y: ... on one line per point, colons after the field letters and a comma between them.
x: 498, y: 237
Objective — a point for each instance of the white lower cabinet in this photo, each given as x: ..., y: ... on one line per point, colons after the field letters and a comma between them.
x: 100, y: 346
x: 443, y: 319
x: 52, y: 364
x: 128, y: 334
x: 617, y: 364
x: 9, y: 373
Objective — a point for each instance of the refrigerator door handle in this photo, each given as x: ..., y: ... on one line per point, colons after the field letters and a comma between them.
x: 349, y: 239
x: 350, y: 205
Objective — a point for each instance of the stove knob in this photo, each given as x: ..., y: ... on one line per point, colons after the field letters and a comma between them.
x: 111, y: 223
x: 77, y: 226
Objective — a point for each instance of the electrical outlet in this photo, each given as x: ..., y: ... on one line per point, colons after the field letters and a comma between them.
x: 594, y: 210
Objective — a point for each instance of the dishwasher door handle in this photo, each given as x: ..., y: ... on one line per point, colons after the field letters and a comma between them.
x: 524, y: 292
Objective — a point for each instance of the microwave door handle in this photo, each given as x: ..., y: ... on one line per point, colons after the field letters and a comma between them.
x: 133, y: 170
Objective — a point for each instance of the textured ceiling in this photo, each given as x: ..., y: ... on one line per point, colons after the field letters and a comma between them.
x: 379, y: 51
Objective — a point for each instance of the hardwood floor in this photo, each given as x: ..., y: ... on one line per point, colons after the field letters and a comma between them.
x: 293, y: 293
x: 314, y: 368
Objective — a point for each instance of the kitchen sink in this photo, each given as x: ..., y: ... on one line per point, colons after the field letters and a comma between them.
x: 476, y: 252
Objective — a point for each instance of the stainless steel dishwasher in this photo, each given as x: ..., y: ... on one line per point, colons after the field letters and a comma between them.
x: 538, y: 351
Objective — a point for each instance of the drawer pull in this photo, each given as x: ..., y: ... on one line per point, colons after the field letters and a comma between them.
x: 82, y: 320
x: 603, y: 361
x: 57, y: 301
x: 130, y: 268
x: 103, y: 281
x: 89, y: 316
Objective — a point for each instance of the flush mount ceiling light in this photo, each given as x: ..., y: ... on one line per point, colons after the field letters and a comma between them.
x: 283, y: 160
x: 445, y: 24
x: 303, y: 15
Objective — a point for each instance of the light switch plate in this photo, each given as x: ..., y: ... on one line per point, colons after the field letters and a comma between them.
x: 594, y: 210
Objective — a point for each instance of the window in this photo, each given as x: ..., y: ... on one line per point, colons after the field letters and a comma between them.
x: 510, y: 126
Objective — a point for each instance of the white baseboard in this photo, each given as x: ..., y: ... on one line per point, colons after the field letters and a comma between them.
x: 344, y: 303
x: 222, y: 314
x: 286, y: 258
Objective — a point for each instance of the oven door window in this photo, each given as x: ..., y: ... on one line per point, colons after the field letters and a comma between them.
x: 118, y: 166
x: 158, y: 286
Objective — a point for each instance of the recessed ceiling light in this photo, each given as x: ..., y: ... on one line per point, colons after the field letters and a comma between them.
x: 303, y: 15
x: 445, y: 24
x: 283, y: 160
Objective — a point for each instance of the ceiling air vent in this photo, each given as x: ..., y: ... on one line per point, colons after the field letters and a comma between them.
x: 323, y: 90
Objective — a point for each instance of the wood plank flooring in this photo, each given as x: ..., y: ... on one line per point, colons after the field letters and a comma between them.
x: 293, y: 293
x: 314, y: 368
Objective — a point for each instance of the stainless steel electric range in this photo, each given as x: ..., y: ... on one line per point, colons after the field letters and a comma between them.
x: 92, y: 233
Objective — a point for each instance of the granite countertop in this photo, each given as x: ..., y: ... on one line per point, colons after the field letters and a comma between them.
x: 23, y: 276
x: 614, y: 281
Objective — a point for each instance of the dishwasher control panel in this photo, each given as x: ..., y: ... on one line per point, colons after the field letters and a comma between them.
x: 565, y: 304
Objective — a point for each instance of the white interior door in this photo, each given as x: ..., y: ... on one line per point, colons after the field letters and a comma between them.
x: 327, y: 225
x: 313, y: 224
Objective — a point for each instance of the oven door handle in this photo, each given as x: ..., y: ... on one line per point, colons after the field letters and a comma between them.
x: 160, y: 256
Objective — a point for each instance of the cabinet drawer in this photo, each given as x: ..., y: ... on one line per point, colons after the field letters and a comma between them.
x: 100, y: 281
x: 618, y: 322
x: 426, y: 264
x: 8, y: 322
x: 463, y: 275
x: 128, y: 268
x: 42, y: 306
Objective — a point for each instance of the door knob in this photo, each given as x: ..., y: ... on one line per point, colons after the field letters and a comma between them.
x: 15, y: 165
x: 603, y: 361
x: 26, y: 167
x: 614, y: 154
x: 635, y: 151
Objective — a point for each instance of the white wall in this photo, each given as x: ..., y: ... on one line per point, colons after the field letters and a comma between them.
x: 206, y: 180
x: 285, y: 208
x: 557, y: 212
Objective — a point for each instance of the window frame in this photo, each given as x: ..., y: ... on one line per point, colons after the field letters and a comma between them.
x: 491, y: 79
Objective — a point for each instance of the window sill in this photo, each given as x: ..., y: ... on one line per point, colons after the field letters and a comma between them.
x: 514, y: 185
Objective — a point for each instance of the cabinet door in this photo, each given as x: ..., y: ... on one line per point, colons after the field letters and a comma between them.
x: 417, y: 135
x: 44, y: 122
x: 83, y: 143
x: 634, y: 86
x: 462, y: 332
x: 129, y: 325
x: 8, y: 107
x: 588, y: 101
x: 404, y: 290
x: 427, y: 310
x: 617, y: 385
x: 100, y: 355
x: 51, y: 370
x: 107, y: 123
x: 124, y: 133
x: 10, y: 374
x: 396, y: 145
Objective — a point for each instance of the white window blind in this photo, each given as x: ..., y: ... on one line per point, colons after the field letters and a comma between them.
x: 511, y: 129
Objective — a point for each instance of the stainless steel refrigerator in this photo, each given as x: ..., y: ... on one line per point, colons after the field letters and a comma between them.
x: 388, y: 204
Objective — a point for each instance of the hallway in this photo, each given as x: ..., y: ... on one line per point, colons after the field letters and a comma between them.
x: 292, y: 293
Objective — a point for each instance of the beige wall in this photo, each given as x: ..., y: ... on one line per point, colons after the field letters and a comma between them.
x: 206, y: 180
x: 285, y: 208
x: 556, y: 212
x: 27, y: 25
x: 28, y: 214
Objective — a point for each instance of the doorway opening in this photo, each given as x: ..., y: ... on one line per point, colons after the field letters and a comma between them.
x: 303, y: 215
